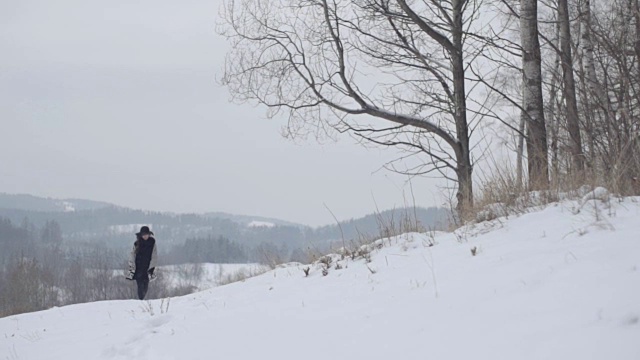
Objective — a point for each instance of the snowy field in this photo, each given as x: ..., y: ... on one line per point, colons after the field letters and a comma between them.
x: 212, y: 275
x: 559, y: 283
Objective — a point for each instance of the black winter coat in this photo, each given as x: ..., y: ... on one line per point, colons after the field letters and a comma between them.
x: 143, y: 257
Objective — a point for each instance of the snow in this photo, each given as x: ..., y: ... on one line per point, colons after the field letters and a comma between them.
x: 127, y: 228
x: 559, y: 283
x: 598, y: 193
x: 256, y: 223
x: 68, y: 207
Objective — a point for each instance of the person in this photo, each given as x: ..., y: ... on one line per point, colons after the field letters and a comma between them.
x: 143, y: 259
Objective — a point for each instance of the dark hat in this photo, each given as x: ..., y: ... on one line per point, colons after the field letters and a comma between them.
x: 145, y: 231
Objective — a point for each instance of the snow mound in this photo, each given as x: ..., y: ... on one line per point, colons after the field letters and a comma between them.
x: 536, y: 200
x: 598, y: 193
x: 558, y: 283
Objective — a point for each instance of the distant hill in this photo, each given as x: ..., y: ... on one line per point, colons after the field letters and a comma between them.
x: 372, y: 225
x: 34, y: 203
x: 86, y: 223
x: 247, y: 220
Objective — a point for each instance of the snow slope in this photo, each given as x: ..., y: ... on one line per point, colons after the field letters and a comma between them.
x: 553, y: 284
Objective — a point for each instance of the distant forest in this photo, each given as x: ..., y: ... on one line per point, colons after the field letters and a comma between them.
x: 57, y: 252
x: 87, y: 225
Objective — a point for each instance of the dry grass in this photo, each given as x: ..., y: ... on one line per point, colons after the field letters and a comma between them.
x: 500, y: 193
x: 241, y: 275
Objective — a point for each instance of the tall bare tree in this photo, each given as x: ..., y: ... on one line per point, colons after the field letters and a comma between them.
x: 587, y: 51
x: 588, y: 89
x: 635, y: 8
x: 532, y: 96
x: 609, y: 87
x: 356, y: 66
x: 569, y: 88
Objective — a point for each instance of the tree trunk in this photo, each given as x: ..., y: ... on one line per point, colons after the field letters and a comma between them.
x: 465, y: 184
x: 636, y: 12
x: 587, y: 50
x: 573, y: 123
x: 554, y: 106
x: 533, y: 104
x: 520, y: 151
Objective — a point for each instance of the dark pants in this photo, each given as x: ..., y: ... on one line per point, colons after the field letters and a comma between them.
x: 143, y: 286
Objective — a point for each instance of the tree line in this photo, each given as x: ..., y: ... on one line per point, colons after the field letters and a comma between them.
x: 39, y: 270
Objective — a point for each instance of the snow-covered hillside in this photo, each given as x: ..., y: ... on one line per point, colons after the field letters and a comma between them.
x: 559, y: 283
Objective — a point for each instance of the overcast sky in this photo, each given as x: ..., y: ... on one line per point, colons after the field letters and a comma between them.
x: 117, y: 101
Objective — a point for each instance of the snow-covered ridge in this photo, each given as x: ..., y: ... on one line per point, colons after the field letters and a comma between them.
x: 559, y: 283
x: 127, y: 228
x: 256, y: 223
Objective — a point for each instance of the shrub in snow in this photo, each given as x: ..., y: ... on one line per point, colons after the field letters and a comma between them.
x: 325, y: 263
x: 474, y: 251
x: 583, y: 190
x: 326, y: 260
x: 344, y: 253
x: 598, y: 193
x: 364, y: 252
x: 492, y: 211
x: 242, y: 275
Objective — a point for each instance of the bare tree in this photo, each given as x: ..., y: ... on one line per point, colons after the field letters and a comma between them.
x: 356, y: 66
x: 595, y: 89
x: 635, y: 8
x: 590, y: 90
x: 75, y: 282
x: 553, y: 108
x: 608, y: 87
x: 28, y: 287
x: 573, y: 122
x: 532, y: 96
x: 614, y: 30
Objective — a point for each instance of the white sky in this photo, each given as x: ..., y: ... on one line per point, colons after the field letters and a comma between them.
x: 117, y: 101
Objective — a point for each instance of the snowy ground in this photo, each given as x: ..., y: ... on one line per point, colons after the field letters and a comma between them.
x: 552, y: 284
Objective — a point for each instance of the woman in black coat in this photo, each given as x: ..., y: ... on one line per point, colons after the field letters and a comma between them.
x: 143, y: 259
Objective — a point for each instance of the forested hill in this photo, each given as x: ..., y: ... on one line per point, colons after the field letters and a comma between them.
x: 35, y: 203
x: 86, y: 222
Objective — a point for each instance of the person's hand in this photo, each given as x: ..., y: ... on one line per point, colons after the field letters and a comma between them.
x: 129, y: 275
x: 152, y: 274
